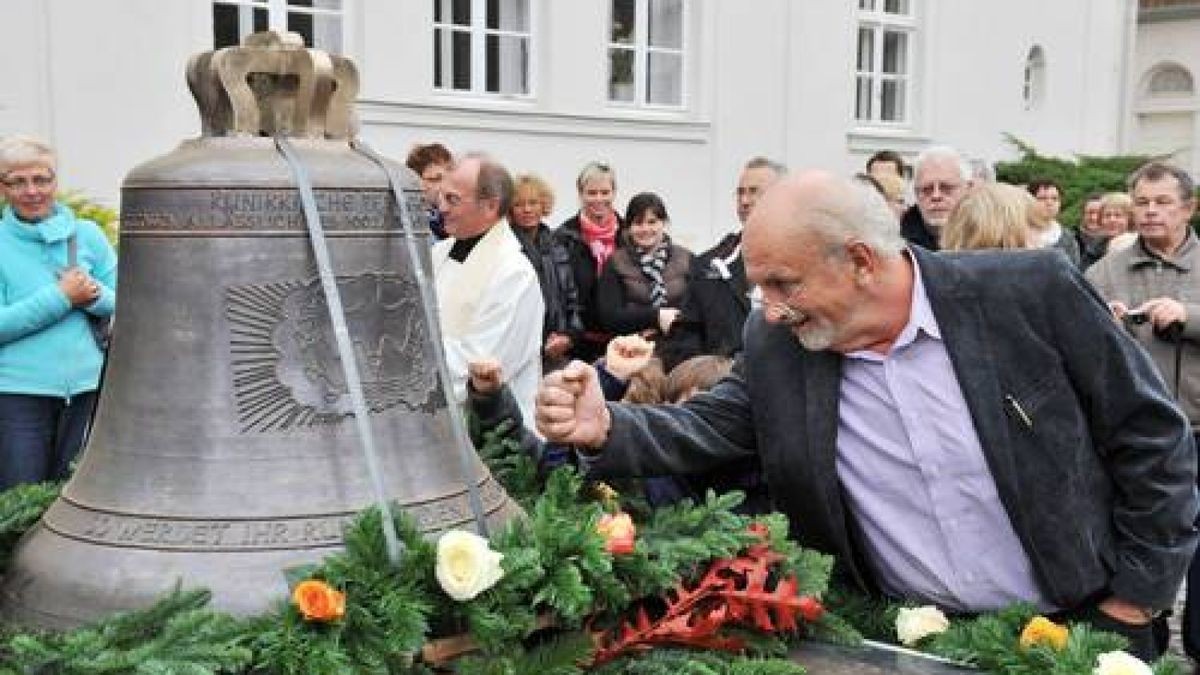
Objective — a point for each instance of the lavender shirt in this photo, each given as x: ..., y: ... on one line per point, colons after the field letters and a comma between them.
x: 916, y: 481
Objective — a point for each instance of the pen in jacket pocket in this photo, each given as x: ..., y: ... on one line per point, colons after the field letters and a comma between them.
x: 1015, y: 406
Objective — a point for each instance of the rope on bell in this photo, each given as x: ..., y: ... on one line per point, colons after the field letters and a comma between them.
x: 466, y: 451
x: 341, y: 333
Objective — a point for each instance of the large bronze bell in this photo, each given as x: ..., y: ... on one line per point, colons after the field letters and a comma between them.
x: 224, y: 448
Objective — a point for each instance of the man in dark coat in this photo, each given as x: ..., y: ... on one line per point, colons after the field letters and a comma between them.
x: 967, y: 430
x: 717, y: 302
x: 940, y: 179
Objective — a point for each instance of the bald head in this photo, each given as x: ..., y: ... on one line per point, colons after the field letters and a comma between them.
x: 827, y: 205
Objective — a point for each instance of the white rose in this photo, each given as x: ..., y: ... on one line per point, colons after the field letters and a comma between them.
x: 466, y: 566
x: 914, y: 624
x: 1120, y: 663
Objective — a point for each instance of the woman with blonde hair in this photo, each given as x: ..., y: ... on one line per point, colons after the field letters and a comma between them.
x: 993, y: 215
x: 1116, y: 221
x: 591, y: 237
x: 562, y: 324
x: 58, y: 275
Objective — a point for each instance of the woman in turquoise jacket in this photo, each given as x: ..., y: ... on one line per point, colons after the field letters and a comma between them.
x: 50, y: 359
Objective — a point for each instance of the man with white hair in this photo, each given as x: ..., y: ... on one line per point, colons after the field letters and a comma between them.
x: 940, y: 179
x: 968, y: 430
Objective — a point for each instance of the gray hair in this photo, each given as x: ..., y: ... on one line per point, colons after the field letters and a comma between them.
x: 595, y: 170
x: 19, y: 150
x: 493, y: 181
x: 760, y: 162
x: 865, y: 217
x: 1156, y: 171
x: 942, y: 152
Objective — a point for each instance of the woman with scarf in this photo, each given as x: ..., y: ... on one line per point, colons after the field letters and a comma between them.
x: 58, y: 275
x: 646, y: 278
x: 590, y: 237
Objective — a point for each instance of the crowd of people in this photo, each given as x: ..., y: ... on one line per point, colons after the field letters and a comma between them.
x: 965, y: 402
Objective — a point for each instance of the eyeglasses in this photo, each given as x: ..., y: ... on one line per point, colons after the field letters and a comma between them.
x: 945, y: 187
x: 40, y: 181
x: 779, y: 308
x: 452, y: 200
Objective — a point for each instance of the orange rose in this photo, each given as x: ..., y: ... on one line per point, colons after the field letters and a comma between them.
x: 1043, y: 631
x: 618, y: 532
x: 318, y: 601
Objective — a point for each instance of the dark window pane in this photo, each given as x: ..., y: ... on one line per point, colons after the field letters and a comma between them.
x: 620, y: 75
x: 261, y: 21
x: 895, y: 6
x: 623, y: 19
x: 891, y: 101
x: 512, y: 15
x: 302, y: 24
x: 665, y: 78
x: 461, y: 64
x: 457, y: 12
x: 895, y: 52
x: 461, y: 13
x: 225, y: 26
x: 452, y: 59
x: 300, y: 3
x: 507, y: 64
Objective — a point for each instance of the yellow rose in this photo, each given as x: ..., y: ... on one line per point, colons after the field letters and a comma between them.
x: 1120, y: 663
x: 1043, y: 631
x: 466, y: 566
x: 919, y: 622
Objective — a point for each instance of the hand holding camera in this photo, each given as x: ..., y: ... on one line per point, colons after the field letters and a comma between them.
x: 1166, y: 315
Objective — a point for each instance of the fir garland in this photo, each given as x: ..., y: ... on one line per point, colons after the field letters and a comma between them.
x: 554, y: 565
x: 991, y: 642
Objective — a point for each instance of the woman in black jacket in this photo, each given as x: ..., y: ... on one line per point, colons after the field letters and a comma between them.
x: 590, y: 237
x: 562, y: 324
x: 646, y: 278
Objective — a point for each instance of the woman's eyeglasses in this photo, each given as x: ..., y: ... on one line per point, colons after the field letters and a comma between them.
x: 40, y: 181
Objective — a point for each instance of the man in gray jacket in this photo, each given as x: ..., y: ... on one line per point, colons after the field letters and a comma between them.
x: 967, y: 430
x: 1153, y: 289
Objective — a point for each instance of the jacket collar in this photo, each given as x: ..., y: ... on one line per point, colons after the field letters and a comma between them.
x: 59, y: 226
x: 1141, y: 255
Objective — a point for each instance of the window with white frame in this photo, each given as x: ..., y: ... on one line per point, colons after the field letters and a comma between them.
x: 1034, y: 89
x: 884, y: 62
x: 482, y: 46
x: 319, y: 22
x: 646, y: 64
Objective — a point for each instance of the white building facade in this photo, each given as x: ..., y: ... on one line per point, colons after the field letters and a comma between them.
x: 674, y: 94
x: 1164, y: 114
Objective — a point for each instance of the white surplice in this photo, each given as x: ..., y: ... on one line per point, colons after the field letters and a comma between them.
x: 490, y: 305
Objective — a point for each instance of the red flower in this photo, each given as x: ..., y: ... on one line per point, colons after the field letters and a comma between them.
x: 811, y: 609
